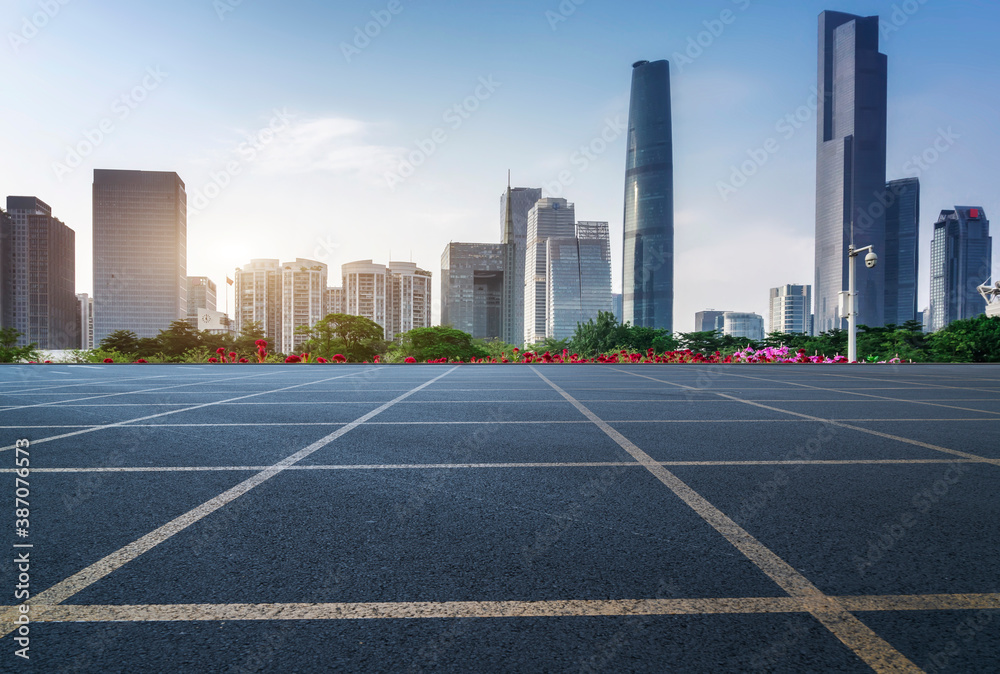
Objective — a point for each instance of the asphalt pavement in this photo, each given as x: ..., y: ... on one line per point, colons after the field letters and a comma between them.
x: 481, y: 518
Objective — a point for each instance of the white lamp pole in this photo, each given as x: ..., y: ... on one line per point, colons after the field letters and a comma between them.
x: 852, y: 305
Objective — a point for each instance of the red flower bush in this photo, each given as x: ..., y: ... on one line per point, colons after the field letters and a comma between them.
x: 339, y: 358
x: 321, y: 359
x: 410, y: 359
x: 109, y: 360
x: 142, y: 360
x: 293, y: 359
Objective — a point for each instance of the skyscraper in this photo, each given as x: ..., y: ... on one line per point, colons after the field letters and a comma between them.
x: 472, y: 287
x: 140, y: 251
x: 514, y: 231
x: 648, y: 267
x: 408, y: 298
x: 39, y: 282
x: 850, y: 165
x: 549, y: 218
x: 258, y: 298
x: 961, y: 260
x: 303, y: 300
x: 365, y: 290
x: 791, y: 309
x: 901, y: 258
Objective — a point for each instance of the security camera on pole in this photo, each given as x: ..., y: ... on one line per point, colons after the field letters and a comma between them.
x: 849, y: 304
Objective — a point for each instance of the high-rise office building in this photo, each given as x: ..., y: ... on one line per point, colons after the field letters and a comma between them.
x: 901, y: 258
x: 648, y: 267
x: 365, y: 290
x: 86, y: 321
x: 850, y: 165
x: 704, y: 321
x: 6, y: 267
x: 258, y: 298
x: 549, y: 218
x: 472, y: 287
x: 791, y: 309
x: 408, y: 299
x: 514, y: 232
x: 616, y: 306
x: 140, y: 251
x: 303, y: 300
x: 39, y: 281
x: 594, y: 244
x: 961, y: 260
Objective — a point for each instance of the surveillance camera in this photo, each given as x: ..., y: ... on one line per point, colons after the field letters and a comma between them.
x: 871, y: 259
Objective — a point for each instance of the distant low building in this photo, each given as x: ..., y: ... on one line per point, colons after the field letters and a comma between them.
x: 704, y: 321
x: 741, y: 325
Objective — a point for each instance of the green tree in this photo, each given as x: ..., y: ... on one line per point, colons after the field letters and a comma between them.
x: 972, y: 340
x: 705, y: 342
x: 356, y: 337
x: 10, y: 352
x: 245, y: 342
x: 441, y: 341
x: 598, y: 335
x: 181, y: 336
x: 123, y: 341
x: 495, y: 348
x: 552, y: 345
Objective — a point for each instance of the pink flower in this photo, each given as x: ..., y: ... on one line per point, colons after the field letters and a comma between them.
x: 410, y: 359
x: 261, y: 343
x: 109, y: 360
x: 221, y: 351
x: 244, y: 360
x: 339, y: 358
x: 213, y: 360
x: 321, y: 359
x: 142, y: 360
x: 293, y: 359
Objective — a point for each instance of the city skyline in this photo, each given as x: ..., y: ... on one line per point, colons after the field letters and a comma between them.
x: 274, y: 143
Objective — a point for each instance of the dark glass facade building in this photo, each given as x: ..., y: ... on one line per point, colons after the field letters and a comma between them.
x: 38, y: 276
x: 140, y: 251
x: 850, y: 165
x: 902, y: 222
x: 648, y: 265
x: 472, y: 287
x: 961, y: 260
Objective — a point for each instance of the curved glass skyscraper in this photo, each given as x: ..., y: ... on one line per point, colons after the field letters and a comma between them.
x: 648, y: 268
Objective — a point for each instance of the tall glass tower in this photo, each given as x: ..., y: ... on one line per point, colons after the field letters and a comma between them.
x: 648, y: 266
x: 961, y: 259
x: 902, y: 222
x: 850, y: 165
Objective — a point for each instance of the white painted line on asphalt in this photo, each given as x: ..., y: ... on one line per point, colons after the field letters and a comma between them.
x: 57, y: 403
x: 169, y: 412
x: 466, y: 466
x: 620, y: 608
x: 866, y: 644
x: 65, y: 589
x: 862, y: 429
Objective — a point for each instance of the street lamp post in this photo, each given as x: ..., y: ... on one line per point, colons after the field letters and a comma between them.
x: 871, y: 259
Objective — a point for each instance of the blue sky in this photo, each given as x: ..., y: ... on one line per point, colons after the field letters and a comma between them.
x: 304, y: 135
